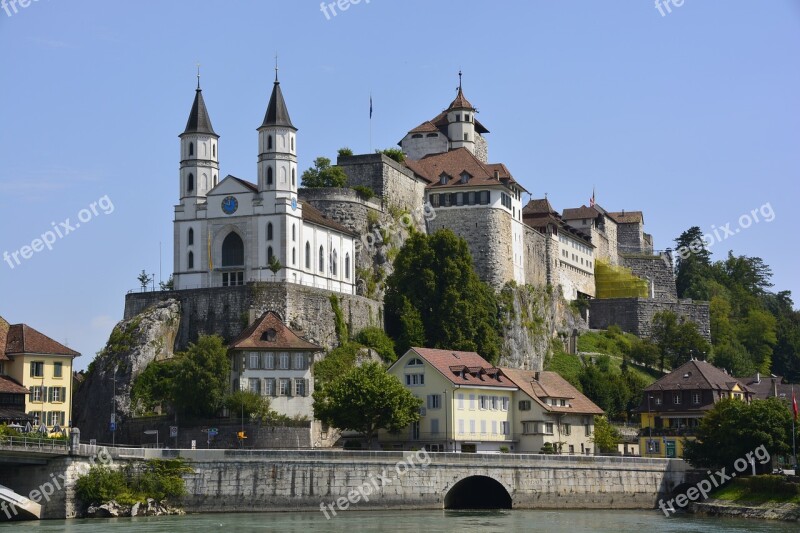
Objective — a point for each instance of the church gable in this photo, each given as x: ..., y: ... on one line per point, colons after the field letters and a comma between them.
x: 232, y: 185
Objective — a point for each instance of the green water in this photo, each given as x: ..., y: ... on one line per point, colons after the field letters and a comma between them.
x: 413, y: 521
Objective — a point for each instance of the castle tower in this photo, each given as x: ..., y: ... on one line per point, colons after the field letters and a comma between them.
x: 461, y: 122
x: 199, y: 171
x: 277, y: 158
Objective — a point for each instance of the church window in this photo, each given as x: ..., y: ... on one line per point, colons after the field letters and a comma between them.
x: 347, y: 266
x: 215, y: 180
x: 269, y: 231
x: 334, y: 263
x: 190, y: 261
x: 269, y: 254
x: 232, y: 250
x: 308, y: 255
x: 283, y: 175
x: 321, y: 259
x: 292, y: 143
x: 191, y: 148
x: 190, y: 237
x: 190, y: 183
x: 214, y: 150
x: 294, y: 256
x: 269, y: 142
x: 294, y: 232
x: 269, y: 175
x: 294, y: 178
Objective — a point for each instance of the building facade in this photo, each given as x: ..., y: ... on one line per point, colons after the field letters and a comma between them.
x: 231, y: 231
x: 43, y: 368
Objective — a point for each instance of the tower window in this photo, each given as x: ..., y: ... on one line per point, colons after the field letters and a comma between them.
x: 466, y: 117
x: 269, y: 142
x: 191, y: 148
x: 308, y: 255
x: 294, y: 256
x: 334, y: 263
x: 190, y: 183
x: 292, y: 143
x: 458, y: 118
x: 347, y: 266
x: 269, y: 231
x: 466, y: 136
x: 232, y: 250
x: 190, y: 261
x: 214, y: 150
x: 269, y: 254
x: 294, y: 179
x: 294, y: 232
x: 321, y: 259
x: 269, y: 175
x: 190, y: 237
x: 215, y: 180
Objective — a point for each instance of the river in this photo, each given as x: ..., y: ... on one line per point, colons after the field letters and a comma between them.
x: 412, y: 521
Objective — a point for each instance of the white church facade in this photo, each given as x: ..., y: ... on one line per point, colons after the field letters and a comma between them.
x: 230, y: 232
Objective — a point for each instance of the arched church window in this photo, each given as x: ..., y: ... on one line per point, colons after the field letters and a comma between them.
x: 215, y: 180
x: 347, y: 266
x: 294, y: 178
x: 190, y: 237
x: 269, y: 175
x: 292, y: 144
x: 294, y: 256
x: 214, y: 150
x: 269, y: 142
x: 334, y: 263
x: 294, y: 232
x: 269, y: 231
x: 190, y: 261
x: 232, y: 250
x: 321, y: 259
x: 269, y: 254
x: 190, y: 183
x: 191, y: 148
x: 308, y: 255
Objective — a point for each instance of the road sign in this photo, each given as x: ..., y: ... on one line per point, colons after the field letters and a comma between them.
x: 194, y: 444
x: 113, y: 418
x: 113, y: 426
x: 173, y: 431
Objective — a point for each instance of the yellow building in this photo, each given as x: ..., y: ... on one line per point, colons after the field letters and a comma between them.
x: 673, y: 406
x: 43, y: 367
x: 468, y: 403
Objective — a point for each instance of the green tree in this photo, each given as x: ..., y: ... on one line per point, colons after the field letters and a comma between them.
x: 366, y: 399
x: 144, y: 280
x: 678, y: 339
x: 275, y: 265
x: 757, y: 333
x: 393, y: 153
x: 645, y: 352
x: 336, y: 363
x: 733, y: 428
x: 345, y: 152
x: 154, y: 386
x: 692, y: 263
x: 201, y: 379
x: 605, y: 436
x: 434, y: 277
x: 734, y: 358
x: 322, y: 174
x: 378, y: 340
x: 255, y: 406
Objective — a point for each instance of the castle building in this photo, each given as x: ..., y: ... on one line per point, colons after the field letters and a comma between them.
x: 601, y: 228
x: 231, y: 231
x: 479, y: 201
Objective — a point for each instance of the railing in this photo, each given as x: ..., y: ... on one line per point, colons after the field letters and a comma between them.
x: 34, y: 444
x: 668, y: 432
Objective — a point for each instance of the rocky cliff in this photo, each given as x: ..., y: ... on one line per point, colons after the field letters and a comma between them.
x: 133, y: 344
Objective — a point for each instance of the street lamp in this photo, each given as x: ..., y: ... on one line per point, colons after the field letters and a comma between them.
x: 152, y: 432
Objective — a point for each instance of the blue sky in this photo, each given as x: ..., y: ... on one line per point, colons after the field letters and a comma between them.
x: 691, y: 117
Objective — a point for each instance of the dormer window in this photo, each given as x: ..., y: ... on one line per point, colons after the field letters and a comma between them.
x: 443, y: 179
x: 417, y: 136
x: 465, y: 177
x: 414, y: 362
x: 269, y: 335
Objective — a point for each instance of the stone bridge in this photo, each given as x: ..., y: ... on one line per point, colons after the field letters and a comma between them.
x: 252, y: 480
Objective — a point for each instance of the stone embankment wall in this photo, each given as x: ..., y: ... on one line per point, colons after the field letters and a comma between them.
x: 391, y: 181
x: 658, y: 270
x: 247, y: 481
x: 635, y: 315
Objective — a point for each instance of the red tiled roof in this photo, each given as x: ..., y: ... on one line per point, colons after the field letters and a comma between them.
x: 9, y: 386
x: 697, y: 375
x: 552, y: 385
x: 538, y: 207
x: 580, y: 212
x: 314, y: 216
x: 4, y: 327
x: 456, y: 162
x: 627, y: 217
x: 460, y: 102
x: 22, y: 339
x: 425, y: 127
x: 478, y: 370
x: 270, y: 333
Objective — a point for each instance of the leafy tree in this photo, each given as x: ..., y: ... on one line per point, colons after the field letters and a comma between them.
x: 757, y: 333
x: 256, y: 407
x: 678, y: 339
x: 337, y: 363
x: 345, y: 152
x: 605, y: 436
x: 434, y: 277
x: 378, y: 340
x: 322, y: 174
x: 275, y: 265
x: 168, y: 285
x: 733, y: 357
x: 645, y: 352
x: 366, y: 399
x: 722, y: 331
x: 692, y: 263
x: 786, y: 354
x: 733, y: 428
x: 144, y: 280
x: 154, y: 386
x: 201, y: 379
x: 393, y: 153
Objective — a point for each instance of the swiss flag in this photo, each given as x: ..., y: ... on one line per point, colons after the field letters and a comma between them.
x: 794, y: 405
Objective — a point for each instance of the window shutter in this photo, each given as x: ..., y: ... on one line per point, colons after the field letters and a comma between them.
x: 63, y: 397
x: 306, y: 388
x: 45, y: 392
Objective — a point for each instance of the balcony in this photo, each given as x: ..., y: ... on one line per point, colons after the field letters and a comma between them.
x: 668, y: 432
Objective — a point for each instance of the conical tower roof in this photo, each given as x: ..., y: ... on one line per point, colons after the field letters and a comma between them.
x: 199, y: 121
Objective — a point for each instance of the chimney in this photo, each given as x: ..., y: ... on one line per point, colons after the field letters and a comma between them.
x: 497, y: 175
x: 758, y: 377
x: 536, y: 376
x: 775, y: 387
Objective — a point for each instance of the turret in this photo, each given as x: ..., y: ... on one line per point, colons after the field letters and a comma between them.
x: 461, y: 122
x: 199, y: 151
x: 277, y: 159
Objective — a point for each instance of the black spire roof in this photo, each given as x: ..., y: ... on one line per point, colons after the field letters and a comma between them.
x: 199, y: 121
x: 277, y: 114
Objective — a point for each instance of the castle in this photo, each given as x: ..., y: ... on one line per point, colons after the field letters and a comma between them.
x: 243, y: 248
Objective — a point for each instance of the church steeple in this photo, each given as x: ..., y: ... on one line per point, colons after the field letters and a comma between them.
x: 461, y: 121
x: 277, y: 158
x: 199, y: 159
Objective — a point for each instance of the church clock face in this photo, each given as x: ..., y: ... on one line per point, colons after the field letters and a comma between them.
x: 230, y: 205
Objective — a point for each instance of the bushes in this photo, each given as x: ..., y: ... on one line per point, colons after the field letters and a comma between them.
x: 379, y: 341
x: 103, y: 484
x: 364, y: 192
x: 158, y: 479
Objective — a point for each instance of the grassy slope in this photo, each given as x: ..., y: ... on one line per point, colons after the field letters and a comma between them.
x: 738, y: 492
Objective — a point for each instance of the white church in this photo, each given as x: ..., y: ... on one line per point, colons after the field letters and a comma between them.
x: 229, y: 232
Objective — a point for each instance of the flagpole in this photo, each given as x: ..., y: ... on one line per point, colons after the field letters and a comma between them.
x: 370, y: 122
x: 794, y: 431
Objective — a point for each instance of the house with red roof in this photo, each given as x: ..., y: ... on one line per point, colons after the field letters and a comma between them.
x: 468, y: 403
x: 35, y: 378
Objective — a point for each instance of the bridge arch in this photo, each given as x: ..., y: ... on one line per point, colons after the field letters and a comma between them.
x: 477, y: 492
